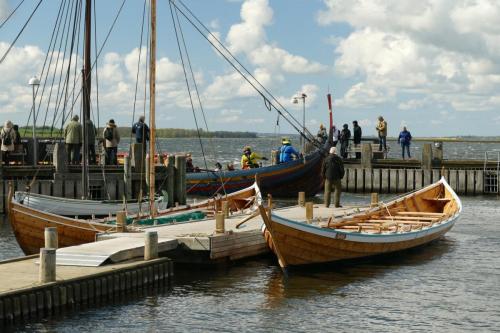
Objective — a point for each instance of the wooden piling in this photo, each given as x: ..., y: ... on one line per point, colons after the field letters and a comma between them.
x: 366, y: 155
x: 151, y: 245
x: 219, y: 223
x: 309, y: 212
x: 225, y: 208
x: 302, y: 199
x: 374, y: 200
x: 121, y: 221
x: 180, y: 179
x: 50, y: 235
x: 47, y: 270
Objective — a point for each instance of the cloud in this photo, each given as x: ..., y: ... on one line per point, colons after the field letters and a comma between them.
x: 443, y: 52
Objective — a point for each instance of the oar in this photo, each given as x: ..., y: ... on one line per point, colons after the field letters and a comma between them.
x: 246, y: 219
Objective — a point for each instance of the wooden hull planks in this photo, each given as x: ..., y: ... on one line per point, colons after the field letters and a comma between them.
x: 29, y: 224
x: 407, y: 222
x: 282, y: 180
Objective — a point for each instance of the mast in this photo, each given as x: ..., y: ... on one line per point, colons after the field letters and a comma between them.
x: 86, y: 76
x: 152, y: 125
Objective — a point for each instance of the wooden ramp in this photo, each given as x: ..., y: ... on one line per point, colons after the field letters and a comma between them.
x: 112, y: 250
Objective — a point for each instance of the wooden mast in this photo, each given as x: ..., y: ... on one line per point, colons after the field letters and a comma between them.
x: 152, y: 86
x: 86, y: 73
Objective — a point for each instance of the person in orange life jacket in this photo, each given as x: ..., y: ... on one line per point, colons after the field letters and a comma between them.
x: 287, y: 152
x: 405, y: 140
x: 249, y: 159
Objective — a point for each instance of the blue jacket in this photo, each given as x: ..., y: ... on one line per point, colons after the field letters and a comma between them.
x: 138, y: 129
x: 404, y: 138
x: 286, y: 153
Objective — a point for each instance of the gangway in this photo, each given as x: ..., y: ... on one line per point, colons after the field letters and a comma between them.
x: 490, y: 176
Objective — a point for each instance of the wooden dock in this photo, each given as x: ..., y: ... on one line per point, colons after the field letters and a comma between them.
x: 23, y: 298
x: 199, y: 243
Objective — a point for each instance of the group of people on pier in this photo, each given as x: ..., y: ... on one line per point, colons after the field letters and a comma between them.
x: 73, y: 139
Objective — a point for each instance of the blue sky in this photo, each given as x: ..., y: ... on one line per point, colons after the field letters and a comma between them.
x: 432, y: 66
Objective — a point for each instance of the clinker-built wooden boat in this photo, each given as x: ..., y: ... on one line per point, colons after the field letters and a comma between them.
x: 29, y: 223
x: 412, y: 220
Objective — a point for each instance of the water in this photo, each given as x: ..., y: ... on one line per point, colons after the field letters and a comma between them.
x: 451, y: 285
x: 230, y: 150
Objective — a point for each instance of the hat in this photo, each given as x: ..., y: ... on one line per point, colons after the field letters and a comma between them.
x: 247, y: 149
x: 75, y: 117
x: 380, y: 118
x: 345, y: 125
x: 333, y: 150
x: 111, y: 121
x: 285, y: 141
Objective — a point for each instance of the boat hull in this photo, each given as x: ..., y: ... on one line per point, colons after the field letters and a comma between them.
x: 311, y: 247
x: 282, y: 180
x: 412, y: 220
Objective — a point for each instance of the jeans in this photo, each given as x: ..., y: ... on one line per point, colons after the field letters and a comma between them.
x: 336, y: 185
x: 407, y: 146
x: 382, y: 143
x: 111, y: 155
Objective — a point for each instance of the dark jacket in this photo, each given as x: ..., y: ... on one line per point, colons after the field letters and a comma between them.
x: 345, y: 135
x: 333, y: 168
x: 357, y: 134
x: 140, y: 130
x: 404, y: 138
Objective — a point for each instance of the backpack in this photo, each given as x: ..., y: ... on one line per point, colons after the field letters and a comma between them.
x: 6, y: 139
x: 108, y: 134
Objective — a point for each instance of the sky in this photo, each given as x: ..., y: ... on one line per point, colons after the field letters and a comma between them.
x: 433, y: 66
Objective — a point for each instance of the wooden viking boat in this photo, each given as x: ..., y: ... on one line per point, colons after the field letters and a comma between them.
x: 29, y: 223
x: 412, y: 220
x: 77, y: 207
x: 281, y: 180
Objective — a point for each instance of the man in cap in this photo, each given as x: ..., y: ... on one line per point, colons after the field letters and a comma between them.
x: 111, y: 141
x: 333, y: 172
x: 73, y: 138
x: 287, y: 152
x: 382, y: 133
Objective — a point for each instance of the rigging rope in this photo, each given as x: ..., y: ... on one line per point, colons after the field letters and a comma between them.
x: 10, y: 15
x: 20, y: 32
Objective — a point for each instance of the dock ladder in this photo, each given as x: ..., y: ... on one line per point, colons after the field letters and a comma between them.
x: 490, y: 176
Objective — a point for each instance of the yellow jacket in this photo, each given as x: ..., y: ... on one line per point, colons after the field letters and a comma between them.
x: 248, y: 162
x: 382, y: 128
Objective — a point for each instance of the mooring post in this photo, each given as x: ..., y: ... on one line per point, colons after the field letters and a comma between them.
x: 121, y: 221
x: 225, y: 208
x: 47, y: 269
x: 180, y: 179
x: 309, y: 212
x: 127, y: 177
x: 151, y: 245
x: 427, y: 156
x: 50, y: 235
x: 275, y: 157
x: 170, y: 179
x: 302, y: 199
x: 220, y: 227
x: 366, y: 155
x: 374, y: 201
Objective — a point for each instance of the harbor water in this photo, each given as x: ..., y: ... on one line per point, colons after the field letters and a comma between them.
x: 450, y: 285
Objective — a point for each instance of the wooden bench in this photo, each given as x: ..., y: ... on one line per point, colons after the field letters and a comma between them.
x: 19, y: 151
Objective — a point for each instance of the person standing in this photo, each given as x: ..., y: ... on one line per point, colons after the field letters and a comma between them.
x: 73, y: 140
x: 333, y: 172
x: 322, y: 136
x: 345, y: 135
x: 141, y: 131
x: 334, y: 134
x: 8, y: 137
x: 287, y: 152
x: 91, y: 135
x: 404, y: 140
x: 112, y: 139
x: 382, y: 133
x: 17, y: 141
x: 357, y: 133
